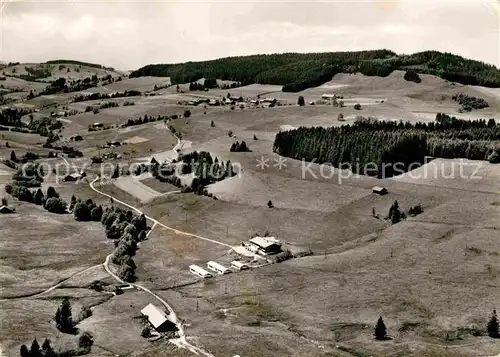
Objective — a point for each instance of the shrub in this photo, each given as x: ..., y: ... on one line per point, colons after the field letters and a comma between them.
x: 146, y: 332
x: 85, y: 313
x: 187, y: 113
x: 55, y: 205
x: 301, y: 101
x: 416, y: 210
x: 284, y: 255
x: 412, y: 76
x: 85, y: 341
x: 357, y: 106
x: 97, y: 285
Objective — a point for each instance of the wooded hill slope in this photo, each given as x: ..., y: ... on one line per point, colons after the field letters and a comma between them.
x: 296, y: 71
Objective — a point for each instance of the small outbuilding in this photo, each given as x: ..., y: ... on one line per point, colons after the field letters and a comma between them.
x: 218, y: 268
x: 238, y: 265
x: 158, y: 318
x: 202, y: 273
x: 5, y: 209
x: 379, y: 190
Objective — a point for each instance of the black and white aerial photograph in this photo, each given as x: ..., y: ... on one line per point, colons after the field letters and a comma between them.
x: 249, y: 178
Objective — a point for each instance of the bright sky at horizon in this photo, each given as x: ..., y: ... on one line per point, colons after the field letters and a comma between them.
x: 130, y: 34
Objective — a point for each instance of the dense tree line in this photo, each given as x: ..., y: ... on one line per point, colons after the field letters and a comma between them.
x: 80, y: 63
x: 297, y: 71
x: 127, y: 229
x: 146, y: 119
x: 374, y: 147
x: 12, y: 117
x: 38, y: 73
x: 85, y: 343
x: 29, y: 177
x: 469, y: 103
x: 97, y: 96
x: 85, y: 210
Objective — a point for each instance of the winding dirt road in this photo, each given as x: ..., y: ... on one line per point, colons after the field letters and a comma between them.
x: 181, y: 341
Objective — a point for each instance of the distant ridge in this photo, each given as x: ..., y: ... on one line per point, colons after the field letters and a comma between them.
x: 87, y: 64
x: 299, y: 71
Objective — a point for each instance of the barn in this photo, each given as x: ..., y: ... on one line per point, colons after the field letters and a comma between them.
x: 5, y: 209
x: 265, y: 245
x: 379, y: 190
x: 72, y: 177
x: 158, y: 319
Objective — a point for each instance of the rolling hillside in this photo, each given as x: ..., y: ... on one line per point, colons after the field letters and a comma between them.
x: 297, y: 71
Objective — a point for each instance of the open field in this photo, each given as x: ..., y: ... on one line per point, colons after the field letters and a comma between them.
x: 47, y: 250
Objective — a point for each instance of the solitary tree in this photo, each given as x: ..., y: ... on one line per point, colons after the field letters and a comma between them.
x: 35, y: 349
x: 13, y: 156
x: 116, y: 172
x: 64, y: 320
x: 24, y: 351
x: 47, y: 350
x: 340, y: 117
x: 492, y: 327
x: 72, y: 202
x: 255, y: 137
x: 301, y: 101
x: 51, y: 193
x: 395, y: 215
x: 380, y: 332
x: 39, y: 197
x: 270, y: 204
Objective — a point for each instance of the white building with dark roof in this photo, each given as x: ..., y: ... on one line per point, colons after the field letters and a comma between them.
x: 157, y: 318
x: 265, y: 245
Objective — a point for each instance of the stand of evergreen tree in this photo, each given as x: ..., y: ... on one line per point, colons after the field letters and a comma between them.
x: 296, y: 71
x: 128, y: 229
x: 373, y: 147
x: 469, y: 103
x: 63, y: 317
x: 237, y: 147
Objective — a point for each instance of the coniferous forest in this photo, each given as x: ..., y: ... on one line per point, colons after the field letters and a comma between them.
x: 372, y: 147
x: 297, y: 71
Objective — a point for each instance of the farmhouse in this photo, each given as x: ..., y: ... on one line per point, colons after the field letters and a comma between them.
x: 379, y: 190
x: 97, y: 125
x: 72, y: 177
x: 216, y: 267
x: 157, y: 318
x: 265, y: 245
x: 238, y: 265
x: 5, y: 209
x: 236, y: 99
x: 202, y: 273
x: 328, y: 96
